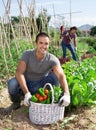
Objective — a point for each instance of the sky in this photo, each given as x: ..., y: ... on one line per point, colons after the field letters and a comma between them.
x: 71, y: 12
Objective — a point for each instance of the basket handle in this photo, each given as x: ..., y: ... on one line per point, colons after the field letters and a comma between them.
x: 48, y: 84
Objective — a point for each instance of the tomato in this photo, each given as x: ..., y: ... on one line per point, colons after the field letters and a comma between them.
x: 37, y: 95
x: 40, y: 99
x: 45, y: 97
x: 46, y: 91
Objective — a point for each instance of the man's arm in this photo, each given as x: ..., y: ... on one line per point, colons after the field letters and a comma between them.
x: 65, y: 99
x: 62, y: 78
x: 74, y: 41
x: 20, y: 76
x: 22, y: 82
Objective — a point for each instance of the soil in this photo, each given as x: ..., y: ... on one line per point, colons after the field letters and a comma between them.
x: 79, y: 119
x: 83, y: 57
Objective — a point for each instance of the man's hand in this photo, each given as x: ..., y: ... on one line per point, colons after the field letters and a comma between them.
x: 27, y: 98
x: 64, y: 100
x: 75, y: 48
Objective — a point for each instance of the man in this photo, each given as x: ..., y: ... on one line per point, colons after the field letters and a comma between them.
x: 68, y: 36
x: 34, y: 71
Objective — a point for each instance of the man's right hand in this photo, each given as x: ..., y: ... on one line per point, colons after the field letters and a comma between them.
x: 27, y: 98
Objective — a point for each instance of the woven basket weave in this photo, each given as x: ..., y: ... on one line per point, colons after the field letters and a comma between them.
x: 46, y: 113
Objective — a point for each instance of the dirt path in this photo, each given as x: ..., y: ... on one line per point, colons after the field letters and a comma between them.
x: 80, y: 119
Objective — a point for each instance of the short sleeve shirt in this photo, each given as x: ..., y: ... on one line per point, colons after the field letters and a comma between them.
x: 35, y: 69
x: 67, y: 37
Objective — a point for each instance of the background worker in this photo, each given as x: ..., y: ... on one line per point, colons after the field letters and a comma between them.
x: 67, y: 37
x: 33, y: 72
x: 61, y: 31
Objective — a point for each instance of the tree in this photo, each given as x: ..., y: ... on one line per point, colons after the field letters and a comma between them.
x: 79, y: 33
x: 43, y: 21
x: 15, y: 19
x: 93, y: 31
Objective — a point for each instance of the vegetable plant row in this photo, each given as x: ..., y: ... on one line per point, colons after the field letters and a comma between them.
x: 82, y: 81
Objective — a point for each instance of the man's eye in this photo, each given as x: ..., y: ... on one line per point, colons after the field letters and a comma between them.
x: 41, y: 42
x: 46, y: 43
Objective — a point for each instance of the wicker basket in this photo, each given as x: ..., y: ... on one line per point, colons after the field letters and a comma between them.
x: 46, y: 113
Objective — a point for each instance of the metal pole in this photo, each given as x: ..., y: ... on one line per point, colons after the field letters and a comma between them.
x: 70, y: 14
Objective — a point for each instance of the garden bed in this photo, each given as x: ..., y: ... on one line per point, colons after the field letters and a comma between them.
x: 79, y: 119
x: 84, y: 56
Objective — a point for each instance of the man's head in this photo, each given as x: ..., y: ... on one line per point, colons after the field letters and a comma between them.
x: 42, y: 43
x: 73, y: 30
x: 41, y: 34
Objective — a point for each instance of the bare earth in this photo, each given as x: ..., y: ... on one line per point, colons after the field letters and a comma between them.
x: 80, y: 119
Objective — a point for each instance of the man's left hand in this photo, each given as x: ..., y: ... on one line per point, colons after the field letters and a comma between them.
x: 75, y: 48
x: 64, y: 100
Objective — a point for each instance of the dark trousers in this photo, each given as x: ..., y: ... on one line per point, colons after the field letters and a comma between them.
x: 16, y: 92
x: 69, y: 46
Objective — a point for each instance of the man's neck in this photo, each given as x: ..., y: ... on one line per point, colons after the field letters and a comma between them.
x: 39, y: 56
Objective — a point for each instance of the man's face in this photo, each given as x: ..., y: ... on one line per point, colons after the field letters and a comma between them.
x: 42, y: 45
x: 73, y: 31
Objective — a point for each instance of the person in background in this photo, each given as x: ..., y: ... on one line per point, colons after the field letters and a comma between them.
x: 33, y: 72
x: 67, y: 37
x: 61, y: 31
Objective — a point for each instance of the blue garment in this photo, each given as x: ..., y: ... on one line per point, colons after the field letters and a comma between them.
x: 33, y: 86
x: 69, y: 46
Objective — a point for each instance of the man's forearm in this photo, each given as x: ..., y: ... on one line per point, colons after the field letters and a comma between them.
x: 64, y: 84
x: 22, y: 82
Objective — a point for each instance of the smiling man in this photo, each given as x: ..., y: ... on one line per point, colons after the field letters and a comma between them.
x: 36, y: 68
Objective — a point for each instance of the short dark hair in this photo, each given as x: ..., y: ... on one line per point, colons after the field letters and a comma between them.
x: 41, y: 34
x: 74, y: 27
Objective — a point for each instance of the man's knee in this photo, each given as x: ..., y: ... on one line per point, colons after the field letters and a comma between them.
x: 12, y: 84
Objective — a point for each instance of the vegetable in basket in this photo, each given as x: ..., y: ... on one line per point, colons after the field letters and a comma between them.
x: 42, y: 96
x: 41, y: 91
x: 57, y: 93
x: 34, y: 98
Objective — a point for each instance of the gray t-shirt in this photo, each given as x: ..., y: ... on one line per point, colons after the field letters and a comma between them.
x: 36, y: 69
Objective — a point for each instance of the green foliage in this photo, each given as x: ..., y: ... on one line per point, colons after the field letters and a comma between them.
x: 15, y: 19
x: 57, y: 93
x: 42, y: 21
x: 94, y: 46
x: 79, y: 33
x: 55, y: 50
x: 82, y: 82
x: 82, y: 46
x: 91, y: 41
x: 93, y: 31
x: 12, y: 61
x: 52, y: 33
x: 91, y: 49
x: 8, y: 129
